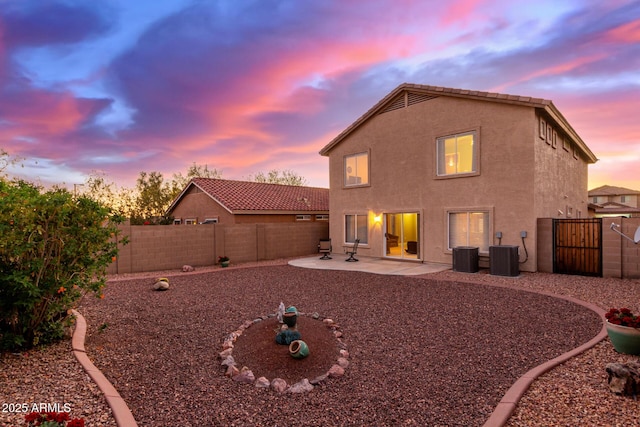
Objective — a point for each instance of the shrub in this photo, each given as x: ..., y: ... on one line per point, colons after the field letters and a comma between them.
x: 54, y: 248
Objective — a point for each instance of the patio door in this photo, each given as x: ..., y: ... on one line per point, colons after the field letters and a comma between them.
x: 402, y: 235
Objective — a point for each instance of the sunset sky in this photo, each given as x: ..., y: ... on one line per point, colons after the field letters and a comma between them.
x: 123, y: 86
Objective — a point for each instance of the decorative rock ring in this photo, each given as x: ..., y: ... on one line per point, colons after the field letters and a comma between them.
x: 245, y: 374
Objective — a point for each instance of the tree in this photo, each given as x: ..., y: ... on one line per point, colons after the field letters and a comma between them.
x: 5, y: 161
x: 152, y: 199
x: 54, y: 248
x: 275, y: 176
x: 180, y: 181
x: 120, y: 199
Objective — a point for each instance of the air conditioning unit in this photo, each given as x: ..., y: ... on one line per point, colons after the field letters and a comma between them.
x: 465, y: 259
x: 503, y: 260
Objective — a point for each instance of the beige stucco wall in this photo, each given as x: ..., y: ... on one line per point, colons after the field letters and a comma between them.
x: 402, y: 149
x: 196, y: 204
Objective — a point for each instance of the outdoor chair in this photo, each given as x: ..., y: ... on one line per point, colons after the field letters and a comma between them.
x: 325, y: 248
x: 353, y: 250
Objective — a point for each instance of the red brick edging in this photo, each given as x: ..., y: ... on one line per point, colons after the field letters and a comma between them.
x: 120, y: 410
x: 507, y: 404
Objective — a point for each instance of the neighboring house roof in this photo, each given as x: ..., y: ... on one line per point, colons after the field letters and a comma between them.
x: 421, y: 91
x: 611, y: 208
x: 610, y: 190
x: 252, y: 197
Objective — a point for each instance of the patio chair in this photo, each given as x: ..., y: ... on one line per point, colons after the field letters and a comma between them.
x: 352, y: 252
x: 324, y: 247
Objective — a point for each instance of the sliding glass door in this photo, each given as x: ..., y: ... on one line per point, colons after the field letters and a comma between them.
x: 402, y: 235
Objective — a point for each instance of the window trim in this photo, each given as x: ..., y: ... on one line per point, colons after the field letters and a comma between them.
x: 476, y: 153
x: 303, y: 217
x: 366, y: 153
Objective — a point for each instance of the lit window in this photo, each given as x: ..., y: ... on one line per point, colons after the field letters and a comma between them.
x: 469, y: 229
x: 457, y: 154
x: 356, y: 228
x: 356, y: 169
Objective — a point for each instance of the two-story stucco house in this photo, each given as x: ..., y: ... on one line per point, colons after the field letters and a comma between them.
x: 428, y: 169
x: 611, y: 201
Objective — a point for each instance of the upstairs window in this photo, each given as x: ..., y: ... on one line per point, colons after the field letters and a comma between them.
x: 356, y: 169
x: 457, y: 154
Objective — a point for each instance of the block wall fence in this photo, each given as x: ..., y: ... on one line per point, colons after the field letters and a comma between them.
x: 620, y: 257
x: 159, y: 247
x: 154, y: 248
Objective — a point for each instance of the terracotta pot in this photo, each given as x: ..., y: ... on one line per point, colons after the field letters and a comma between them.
x: 298, y: 349
x: 624, y: 339
x: 290, y: 318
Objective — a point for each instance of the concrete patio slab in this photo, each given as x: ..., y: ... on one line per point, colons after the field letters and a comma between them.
x: 370, y: 265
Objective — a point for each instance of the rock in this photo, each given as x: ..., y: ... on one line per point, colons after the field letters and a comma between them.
x: 228, y: 361
x: 227, y: 344
x: 624, y: 379
x: 336, y: 371
x: 245, y: 376
x: 301, y: 387
x: 231, y: 371
x: 317, y: 380
x: 279, y: 385
x: 262, y: 382
x: 337, y: 334
x: 315, y: 315
x: 328, y: 321
x: 343, y: 362
x: 187, y: 268
x: 161, y: 285
x: 344, y: 353
x: 225, y: 353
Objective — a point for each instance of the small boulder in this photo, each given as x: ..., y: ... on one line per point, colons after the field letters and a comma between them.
x: 161, y: 285
x: 336, y: 371
x: 301, y: 387
x: 279, y: 385
x: 262, y: 382
x: 623, y: 378
x: 187, y: 268
x: 343, y: 362
x: 245, y: 376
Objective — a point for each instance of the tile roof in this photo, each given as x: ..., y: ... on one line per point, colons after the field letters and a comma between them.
x: 242, y: 196
x: 610, y: 190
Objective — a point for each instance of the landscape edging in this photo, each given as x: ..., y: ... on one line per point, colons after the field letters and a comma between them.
x: 119, y: 408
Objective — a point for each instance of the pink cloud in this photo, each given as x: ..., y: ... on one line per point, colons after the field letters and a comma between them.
x: 626, y: 33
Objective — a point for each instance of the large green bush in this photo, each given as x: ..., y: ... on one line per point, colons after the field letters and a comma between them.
x: 54, y: 248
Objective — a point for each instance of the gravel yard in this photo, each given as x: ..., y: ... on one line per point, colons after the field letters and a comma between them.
x: 439, y: 349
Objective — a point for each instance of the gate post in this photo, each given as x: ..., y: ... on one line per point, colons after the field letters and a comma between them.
x: 544, y: 245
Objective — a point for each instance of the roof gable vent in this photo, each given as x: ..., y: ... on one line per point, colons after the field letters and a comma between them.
x: 396, y: 104
x: 406, y: 99
x: 416, y: 98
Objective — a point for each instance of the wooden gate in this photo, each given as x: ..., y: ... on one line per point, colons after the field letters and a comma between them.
x: 577, y: 246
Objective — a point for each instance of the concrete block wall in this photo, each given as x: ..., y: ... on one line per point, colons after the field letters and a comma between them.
x: 630, y: 257
x: 612, y: 246
x: 154, y: 248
